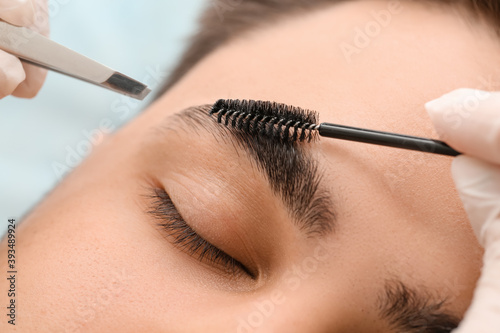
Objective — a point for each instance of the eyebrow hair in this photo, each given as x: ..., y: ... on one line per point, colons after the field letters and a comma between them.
x: 291, y: 171
x: 411, y: 310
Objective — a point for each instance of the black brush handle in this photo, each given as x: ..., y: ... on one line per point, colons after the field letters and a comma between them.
x: 386, y: 139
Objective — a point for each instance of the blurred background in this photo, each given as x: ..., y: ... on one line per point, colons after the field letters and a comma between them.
x: 44, y: 138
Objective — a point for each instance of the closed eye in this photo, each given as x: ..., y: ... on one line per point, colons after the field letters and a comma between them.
x: 187, y: 239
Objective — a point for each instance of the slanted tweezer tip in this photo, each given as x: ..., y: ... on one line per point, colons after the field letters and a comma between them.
x: 126, y: 85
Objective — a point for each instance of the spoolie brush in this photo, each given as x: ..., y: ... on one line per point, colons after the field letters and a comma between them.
x: 290, y: 124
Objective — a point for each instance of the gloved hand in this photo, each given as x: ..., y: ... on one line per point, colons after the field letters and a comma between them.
x: 16, y: 78
x: 469, y: 121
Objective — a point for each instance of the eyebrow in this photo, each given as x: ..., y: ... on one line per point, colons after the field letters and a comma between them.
x: 413, y: 310
x: 292, y: 172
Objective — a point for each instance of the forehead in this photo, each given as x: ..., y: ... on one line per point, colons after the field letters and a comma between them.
x: 354, y: 60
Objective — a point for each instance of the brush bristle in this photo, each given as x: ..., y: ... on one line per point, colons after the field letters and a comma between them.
x: 268, y: 119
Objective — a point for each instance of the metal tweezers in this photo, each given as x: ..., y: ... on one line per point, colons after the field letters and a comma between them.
x: 33, y: 48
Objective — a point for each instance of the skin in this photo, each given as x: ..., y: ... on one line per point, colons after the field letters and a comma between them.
x: 91, y: 260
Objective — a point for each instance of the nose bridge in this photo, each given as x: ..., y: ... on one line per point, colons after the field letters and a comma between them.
x: 286, y: 312
x: 259, y: 321
x: 317, y: 305
x: 297, y: 301
x: 309, y: 317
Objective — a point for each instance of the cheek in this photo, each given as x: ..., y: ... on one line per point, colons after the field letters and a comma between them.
x: 74, y: 269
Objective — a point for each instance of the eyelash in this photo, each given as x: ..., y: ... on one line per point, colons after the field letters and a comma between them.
x: 186, y: 238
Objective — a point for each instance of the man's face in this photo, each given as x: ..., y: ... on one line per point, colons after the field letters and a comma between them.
x: 173, y: 226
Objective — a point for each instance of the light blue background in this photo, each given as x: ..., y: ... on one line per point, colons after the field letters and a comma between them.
x: 133, y: 37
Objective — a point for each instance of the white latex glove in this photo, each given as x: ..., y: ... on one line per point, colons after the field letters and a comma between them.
x: 469, y: 121
x: 16, y: 78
